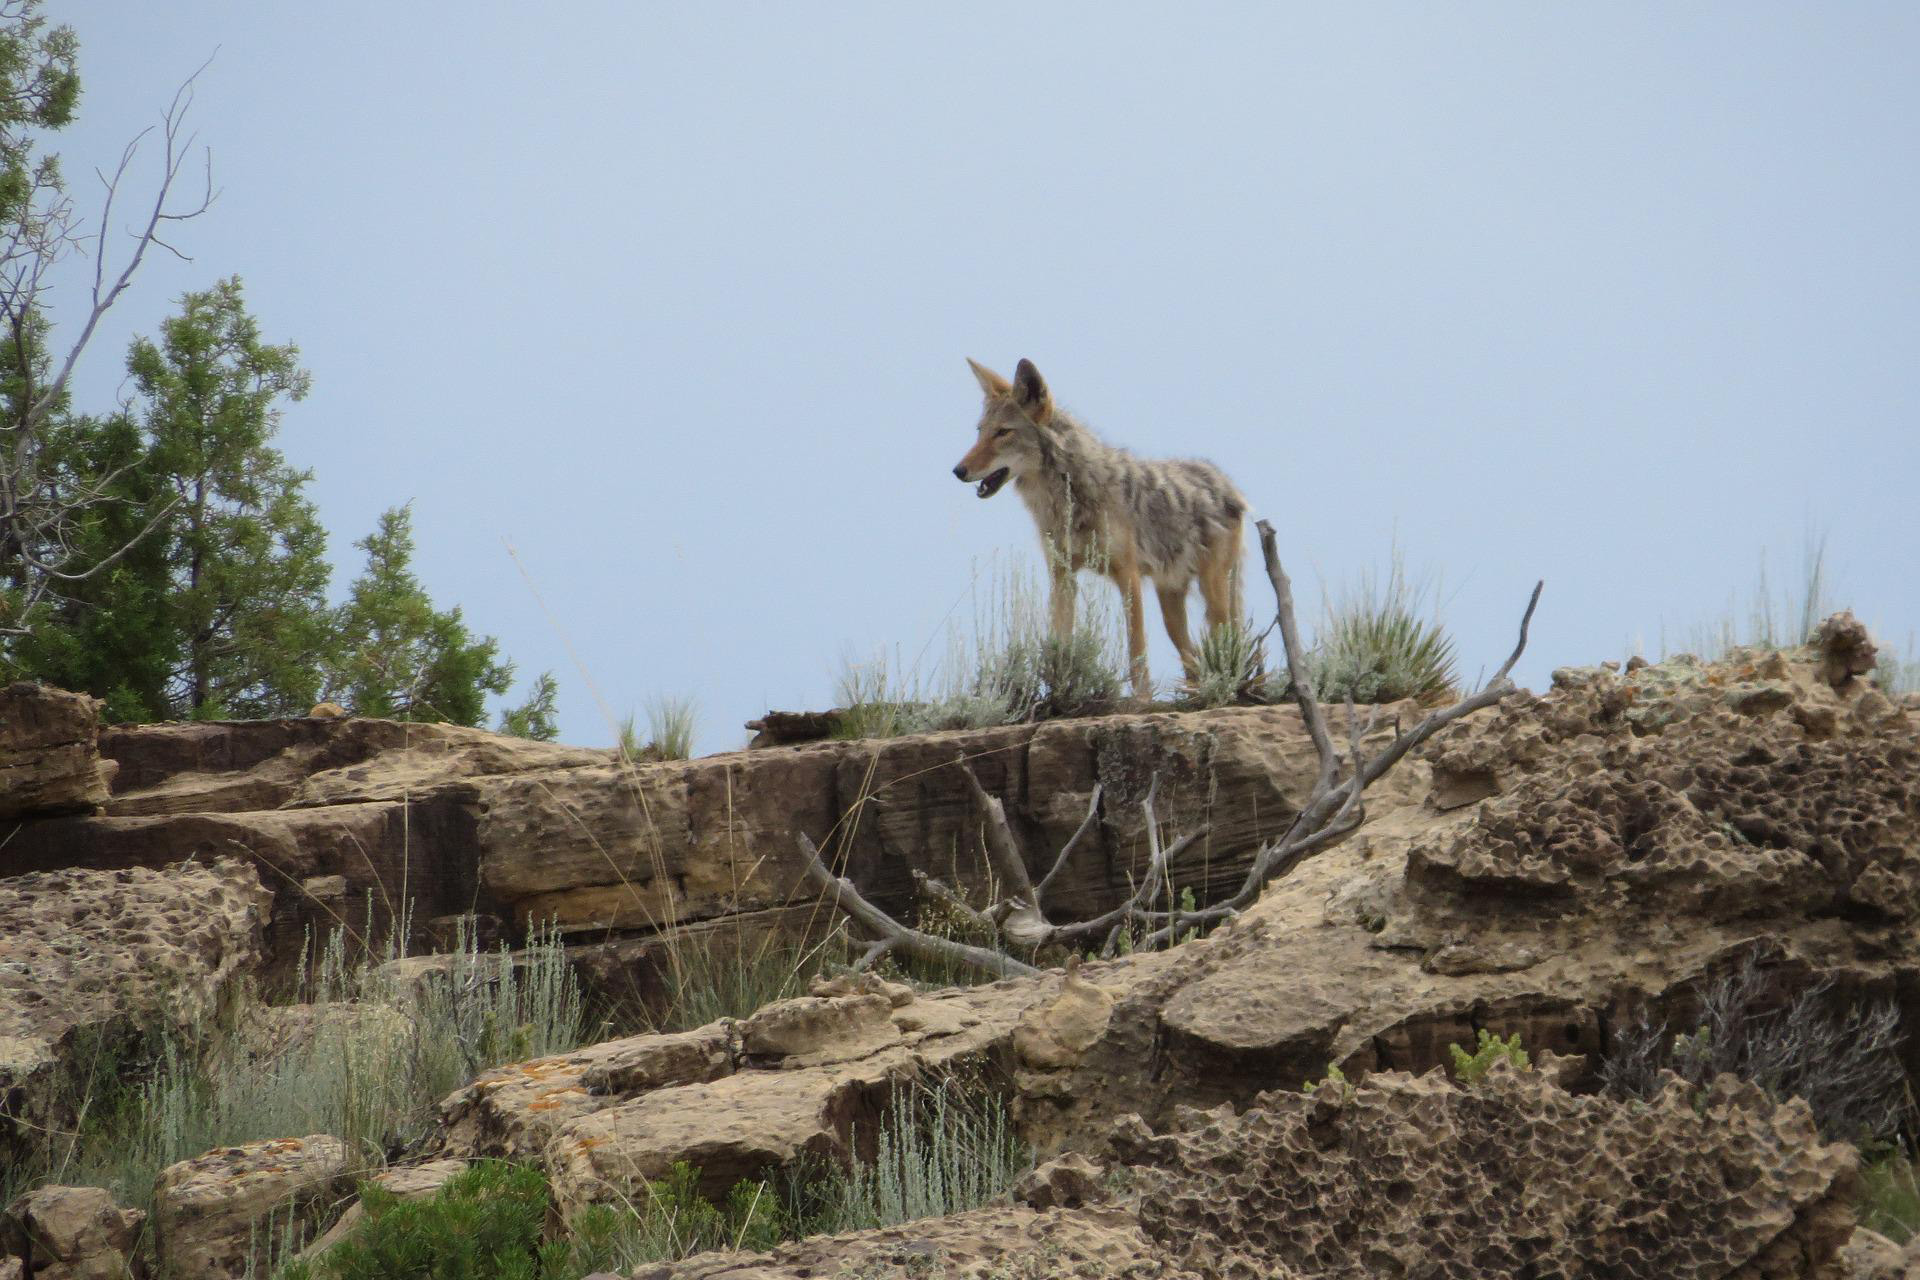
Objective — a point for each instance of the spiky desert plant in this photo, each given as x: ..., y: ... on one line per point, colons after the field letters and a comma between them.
x: 1228, y: 666
x: 1374, y: 645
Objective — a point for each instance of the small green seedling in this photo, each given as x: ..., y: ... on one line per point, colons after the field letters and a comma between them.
x: 1468, y: 1068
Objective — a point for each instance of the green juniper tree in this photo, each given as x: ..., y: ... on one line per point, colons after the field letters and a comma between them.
x: 399, y: 658
x: 537, y: 717
x: 246, y: 554
x: 219, y: 608
x: 109, y: 633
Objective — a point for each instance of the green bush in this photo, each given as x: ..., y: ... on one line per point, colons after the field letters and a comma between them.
x: 488, y: 1223
x: 484, y: 1224
x: 1469, y: 1068
x: 1890, y: 1197
x: 1334, y: 1076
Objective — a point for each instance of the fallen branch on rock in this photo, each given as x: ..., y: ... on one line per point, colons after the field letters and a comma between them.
x: 1331, y: 812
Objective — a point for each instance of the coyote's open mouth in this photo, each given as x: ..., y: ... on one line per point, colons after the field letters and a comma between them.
x: 991, y: 485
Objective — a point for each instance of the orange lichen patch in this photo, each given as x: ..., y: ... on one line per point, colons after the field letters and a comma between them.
x: 541, y: 1068
x: 551, y: 1098
x: 588, y: 1144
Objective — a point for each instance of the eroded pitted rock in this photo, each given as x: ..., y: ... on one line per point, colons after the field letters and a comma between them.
x: 1001, y: 1242
x: 1416, y: 1176
x: 1845, y: 647
x: 89, y: 960
x: 1717, y: 817
x: 1592, y: 712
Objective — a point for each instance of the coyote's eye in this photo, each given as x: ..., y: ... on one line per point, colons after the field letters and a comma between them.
x: 1004, y: 431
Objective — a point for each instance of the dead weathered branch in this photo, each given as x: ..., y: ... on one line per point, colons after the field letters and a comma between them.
x: 889, y: 934
x: 1333, y: 809
x: 38, y: 509
x: 1087, y: 824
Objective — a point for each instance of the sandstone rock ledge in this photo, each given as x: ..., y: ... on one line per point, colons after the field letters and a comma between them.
x: 1632, y: 837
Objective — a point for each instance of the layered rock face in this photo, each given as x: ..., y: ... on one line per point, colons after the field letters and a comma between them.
x: 49, y: 757
x: 344, y: 816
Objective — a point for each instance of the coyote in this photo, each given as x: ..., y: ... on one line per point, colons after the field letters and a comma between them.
x: 1100, y: 507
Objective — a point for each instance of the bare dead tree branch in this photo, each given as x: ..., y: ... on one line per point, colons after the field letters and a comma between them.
x: 890, y: 934
x: 37, y: 502
x: 1087, y: 824
x: 1333, y: 809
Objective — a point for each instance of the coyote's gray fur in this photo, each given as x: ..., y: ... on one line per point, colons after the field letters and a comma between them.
x: 1100, y: 507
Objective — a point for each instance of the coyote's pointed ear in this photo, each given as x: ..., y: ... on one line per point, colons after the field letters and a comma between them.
x: 1031, y: 394
x: 990, y: 382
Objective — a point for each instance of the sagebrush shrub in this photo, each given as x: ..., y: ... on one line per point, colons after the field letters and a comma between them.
x: 1845, y: 1061
x: 939, y: 1151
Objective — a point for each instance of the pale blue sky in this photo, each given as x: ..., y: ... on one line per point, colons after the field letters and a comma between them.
x: 676, y: 299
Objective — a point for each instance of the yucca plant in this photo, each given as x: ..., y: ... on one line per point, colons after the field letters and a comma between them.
x: 670, y: 729
x: 1229, y: 663
x: 1375, y: 647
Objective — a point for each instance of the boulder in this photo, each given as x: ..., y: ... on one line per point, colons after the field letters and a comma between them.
x: 70, y: 1233
x: 92, y: 960
x: 607, y: 1119
x: 49, y: 753
x: 207, y: 1210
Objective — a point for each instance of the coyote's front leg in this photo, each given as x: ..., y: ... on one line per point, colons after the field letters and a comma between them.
x: 1126, y: 575
x: 1061, y: 598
